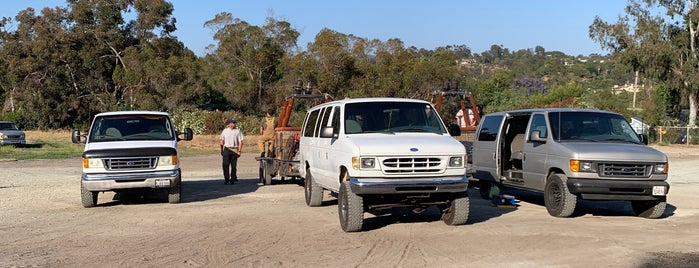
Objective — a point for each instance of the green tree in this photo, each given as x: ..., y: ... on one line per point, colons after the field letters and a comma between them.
x: 654, y: 45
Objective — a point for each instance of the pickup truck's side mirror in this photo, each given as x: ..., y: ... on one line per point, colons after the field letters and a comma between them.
x: 643, y: 138
x: 535, y: 135
x: 188, y: 135
x: 454, y: 130
x: 75, y: 136
x: 327, y: 132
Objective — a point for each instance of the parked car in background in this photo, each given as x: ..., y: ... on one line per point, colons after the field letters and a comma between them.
x: 10, y: 134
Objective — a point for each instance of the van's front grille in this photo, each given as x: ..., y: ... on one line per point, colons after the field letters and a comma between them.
x: 130, y: 163
x: 629, y: 170
x: 407, y: 165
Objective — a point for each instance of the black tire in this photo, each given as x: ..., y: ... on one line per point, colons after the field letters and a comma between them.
x: 488, y: 189
x: 457, y: 211
x: 265, y: 177
x: 88, y: 198
x: 557, y: 198
x: 350, y: 208
x: 312, y: 191
x: 649, y: 209
x: 174, y: 193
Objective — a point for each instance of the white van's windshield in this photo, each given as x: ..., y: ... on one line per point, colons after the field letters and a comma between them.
x: 131, y: 128
x: 392, y: 117
x: 591, y: 126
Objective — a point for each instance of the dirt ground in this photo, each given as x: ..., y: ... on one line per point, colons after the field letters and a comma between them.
x: 42, y: 224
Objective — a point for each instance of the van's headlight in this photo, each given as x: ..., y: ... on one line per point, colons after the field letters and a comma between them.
x: 661, y: 168
x: 92, y: 163
x: 167, y: 160
x: 582, y: 166
x: 456, y: 161
x: 363, y: 163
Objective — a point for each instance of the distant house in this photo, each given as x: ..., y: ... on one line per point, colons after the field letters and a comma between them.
x: 639, y: 126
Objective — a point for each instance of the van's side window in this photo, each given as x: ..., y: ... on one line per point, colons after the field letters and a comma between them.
x: 539, y: 123
x: 489, y: 129
x: 336, y: 119
x: 324, y: 121
x: 310, y: 123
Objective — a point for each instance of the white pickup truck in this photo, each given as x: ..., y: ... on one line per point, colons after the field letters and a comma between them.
x: 380, y: 153
x: 130, y: 150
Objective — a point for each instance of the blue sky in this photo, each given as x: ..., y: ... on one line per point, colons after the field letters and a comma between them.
x: 515, y: 24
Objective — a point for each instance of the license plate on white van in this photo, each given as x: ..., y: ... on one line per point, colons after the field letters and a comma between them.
x: 658, y: 190
x: 163, y: 183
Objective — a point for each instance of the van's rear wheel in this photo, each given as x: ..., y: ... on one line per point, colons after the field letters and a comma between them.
x: 88, y: 198
x: 312, y: 191
x: 457, y: 211
x: 649, y: 209
x: 557, y: 198
x: 488, y: 189
x: 350, y: 209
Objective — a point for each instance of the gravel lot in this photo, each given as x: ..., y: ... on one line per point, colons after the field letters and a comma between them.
x: 42, y: 224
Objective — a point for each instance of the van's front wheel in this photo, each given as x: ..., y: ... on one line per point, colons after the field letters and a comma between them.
x: 457, y: 211
x: 88, y: 198
x: 649, y: 209
x: 557, y: 198
x: 350, y: 207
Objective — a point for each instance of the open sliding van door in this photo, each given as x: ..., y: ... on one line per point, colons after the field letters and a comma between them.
x: 487, y: 148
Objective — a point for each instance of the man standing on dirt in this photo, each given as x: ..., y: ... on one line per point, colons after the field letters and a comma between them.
x: 267, y: 132
x: 231, y: 147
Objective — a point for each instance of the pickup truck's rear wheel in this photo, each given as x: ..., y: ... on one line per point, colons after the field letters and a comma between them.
x: 174, y: 193
x: 457, y: 211
x: 88, y: 198
x: 350, y: 207
x: 557, y: 198
x: 312, y: 191
x: 649, y: 209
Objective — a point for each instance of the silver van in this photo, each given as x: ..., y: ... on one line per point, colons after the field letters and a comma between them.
x: 570, y: 154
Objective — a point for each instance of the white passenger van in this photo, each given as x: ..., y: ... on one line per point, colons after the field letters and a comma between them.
x: 380, y: 153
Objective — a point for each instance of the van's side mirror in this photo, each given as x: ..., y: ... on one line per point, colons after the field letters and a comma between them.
x: 188, y: 135
x: 535, y: 135
x: 643, y: 138
x: 75, y: 136
x: 327, y: 132
x: 454, y: 130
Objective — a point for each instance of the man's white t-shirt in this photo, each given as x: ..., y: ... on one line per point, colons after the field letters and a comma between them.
x: 231, y: 137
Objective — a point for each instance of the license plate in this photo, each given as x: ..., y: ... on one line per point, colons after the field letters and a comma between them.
x: 166, y: 183
x: 658, y: 190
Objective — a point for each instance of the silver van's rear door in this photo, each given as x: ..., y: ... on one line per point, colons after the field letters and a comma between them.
x: 487, y: 157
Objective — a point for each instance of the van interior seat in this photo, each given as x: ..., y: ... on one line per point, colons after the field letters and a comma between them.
x: 517, y: 146
x: 113, y: 132
x: 352, y: 126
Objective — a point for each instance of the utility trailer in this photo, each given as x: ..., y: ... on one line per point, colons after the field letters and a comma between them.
x: 281, y: 162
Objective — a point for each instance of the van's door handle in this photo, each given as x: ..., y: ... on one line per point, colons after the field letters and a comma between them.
x: 493, y: 155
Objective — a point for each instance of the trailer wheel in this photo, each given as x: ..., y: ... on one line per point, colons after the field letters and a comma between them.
x: 88, y: 198
x: 649, y: 209
x: 557, y: 198
x: 313, y: 191
x: 457, y: 211
x: 350, y: 208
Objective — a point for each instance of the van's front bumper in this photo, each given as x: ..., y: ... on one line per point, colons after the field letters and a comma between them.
x: 115, y: 181
x: 595, y: 189
x: 413, y: 185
